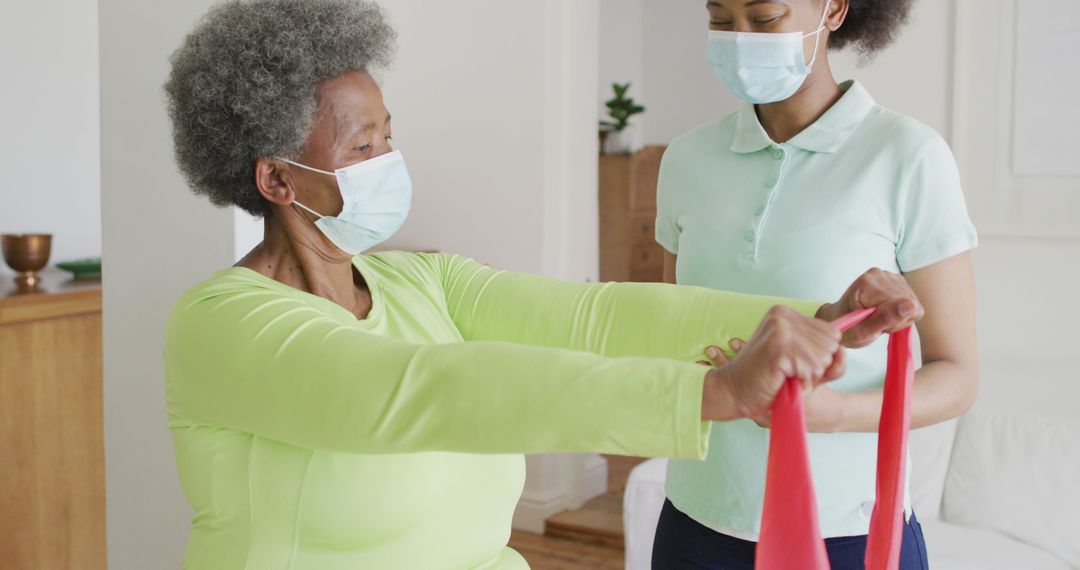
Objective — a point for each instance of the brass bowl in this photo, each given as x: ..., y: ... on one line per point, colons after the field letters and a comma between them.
x: 26, y: 254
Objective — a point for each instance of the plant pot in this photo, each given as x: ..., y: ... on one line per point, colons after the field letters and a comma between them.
x: 622, y: 142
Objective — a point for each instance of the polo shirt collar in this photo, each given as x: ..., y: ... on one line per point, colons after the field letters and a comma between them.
x: 826, y: 134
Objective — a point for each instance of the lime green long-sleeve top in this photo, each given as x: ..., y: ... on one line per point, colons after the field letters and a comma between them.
x: 308, y: 439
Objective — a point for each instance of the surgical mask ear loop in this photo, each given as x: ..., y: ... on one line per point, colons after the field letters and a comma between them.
x: 817, y: 34
x: 305, y: 167
x: 297, y: 202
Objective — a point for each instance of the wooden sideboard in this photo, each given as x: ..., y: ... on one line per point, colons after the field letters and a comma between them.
x: 628, y: 248
x: 52, y: 455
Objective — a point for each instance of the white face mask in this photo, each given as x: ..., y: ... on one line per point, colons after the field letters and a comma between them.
x: 376, y: 196
x: 762, y: 67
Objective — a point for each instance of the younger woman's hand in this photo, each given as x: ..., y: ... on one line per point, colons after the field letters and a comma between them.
x: 717, y: 357
x: 897, y: 306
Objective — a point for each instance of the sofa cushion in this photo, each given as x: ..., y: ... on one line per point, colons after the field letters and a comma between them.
x: 953, y: 547
x: 1018, y: 475
x: 931, y: 449
x: 642, y: 501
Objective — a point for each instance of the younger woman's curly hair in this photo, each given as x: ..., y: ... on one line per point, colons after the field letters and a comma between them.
x: 871, y: 25
x: 243, y: 85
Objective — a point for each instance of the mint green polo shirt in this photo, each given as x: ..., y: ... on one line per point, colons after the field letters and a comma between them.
x: 861, y: 187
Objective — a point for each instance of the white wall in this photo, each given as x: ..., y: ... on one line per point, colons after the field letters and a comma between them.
x: 475, y: 115
x: 914, y: 75
x: 682, y: 90
x: 1027, y: 314
x: 501, y: 143
x: 159, y: 239
x: 1024, y: 285
x: 49, y: 146
x: 622, y: 51
x: 621, y: 47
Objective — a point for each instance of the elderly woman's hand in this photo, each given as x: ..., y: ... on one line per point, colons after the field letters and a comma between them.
x: 897, y: 306
x: 785, y: 345
x: 824, y: 407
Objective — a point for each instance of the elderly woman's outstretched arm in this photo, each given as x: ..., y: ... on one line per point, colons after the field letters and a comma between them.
x: 611, y: 319
x: 247, y: 354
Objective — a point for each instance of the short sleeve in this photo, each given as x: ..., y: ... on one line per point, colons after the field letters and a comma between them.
x: 934, y: 224
x: 667, y: 228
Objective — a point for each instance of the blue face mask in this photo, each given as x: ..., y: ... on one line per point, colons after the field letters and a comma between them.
x: 762, y: 67
x: 377, y: 194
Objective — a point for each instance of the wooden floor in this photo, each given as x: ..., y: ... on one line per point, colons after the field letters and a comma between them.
x: 586, y: 538
x: 598, y: 521
x: 548, y: 553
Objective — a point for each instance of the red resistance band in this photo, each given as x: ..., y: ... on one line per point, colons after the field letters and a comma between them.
x: 790, y: 533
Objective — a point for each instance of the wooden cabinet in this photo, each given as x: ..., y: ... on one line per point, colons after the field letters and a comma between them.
x: 52, y: 460
x: 628, y: 248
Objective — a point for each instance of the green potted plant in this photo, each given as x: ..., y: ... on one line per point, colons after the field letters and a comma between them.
x: 613, y: 133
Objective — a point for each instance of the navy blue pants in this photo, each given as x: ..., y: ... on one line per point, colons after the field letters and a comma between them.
x: 683, y: 543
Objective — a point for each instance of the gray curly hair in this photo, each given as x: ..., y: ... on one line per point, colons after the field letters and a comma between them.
x: 243, y: 85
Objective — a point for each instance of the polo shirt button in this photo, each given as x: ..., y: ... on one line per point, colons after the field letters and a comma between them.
x: 749, y: 237
x: 771, y: 182
x: 778, y: 153
x: 759, y: 211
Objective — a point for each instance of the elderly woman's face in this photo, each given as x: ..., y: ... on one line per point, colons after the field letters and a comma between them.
x: 351, y: 125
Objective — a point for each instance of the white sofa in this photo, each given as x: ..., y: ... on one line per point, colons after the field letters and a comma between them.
x: 998, y: 489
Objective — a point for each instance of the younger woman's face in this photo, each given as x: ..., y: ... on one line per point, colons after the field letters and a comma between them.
x: 771, y: 16
x: 765, y: 16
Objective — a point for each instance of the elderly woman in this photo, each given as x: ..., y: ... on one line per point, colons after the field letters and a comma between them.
x: 333, y: 410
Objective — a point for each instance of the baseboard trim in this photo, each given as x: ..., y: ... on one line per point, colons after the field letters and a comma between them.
x: 533, y: 509
x: 532, y: 513
x: 595, y: 479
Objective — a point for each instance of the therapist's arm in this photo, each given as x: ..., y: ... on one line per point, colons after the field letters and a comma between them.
x: 948, y: 382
